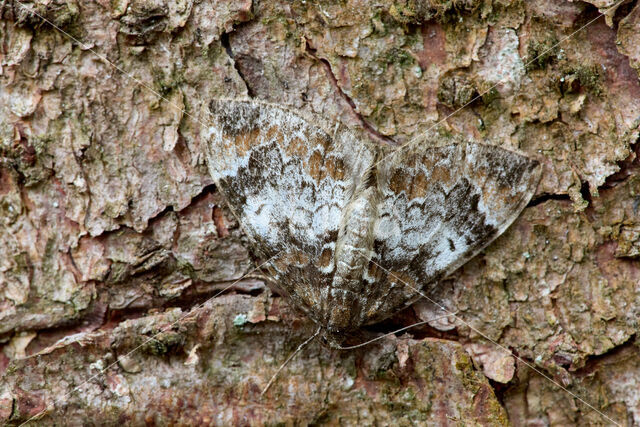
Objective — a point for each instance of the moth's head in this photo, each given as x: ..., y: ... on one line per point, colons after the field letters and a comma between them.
x: 338, y: 322
x: 332, y: 337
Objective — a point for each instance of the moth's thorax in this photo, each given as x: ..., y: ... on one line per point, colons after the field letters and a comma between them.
x: 354, y: 243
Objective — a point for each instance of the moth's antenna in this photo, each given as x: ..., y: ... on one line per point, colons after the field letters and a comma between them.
x: 300, y: 347
x: 351, y: 347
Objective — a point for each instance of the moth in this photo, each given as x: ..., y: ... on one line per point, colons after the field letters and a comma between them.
x: 349, y: 223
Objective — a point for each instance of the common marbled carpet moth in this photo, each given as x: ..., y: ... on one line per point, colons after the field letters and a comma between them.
x: 351, y: 221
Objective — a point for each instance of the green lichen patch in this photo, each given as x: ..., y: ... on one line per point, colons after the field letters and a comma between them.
x: 240, y: 320
x: 165, y: 83
x: 397, y: 56
x: 541, y: 53
x: 59, y: 13
x: 490, y: 96
x: 163, y: 343
x: 416, y: 12
x: 585, y: 77
x: 456, y: 90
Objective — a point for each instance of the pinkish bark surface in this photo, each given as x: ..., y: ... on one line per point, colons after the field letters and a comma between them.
x: 111, y: 228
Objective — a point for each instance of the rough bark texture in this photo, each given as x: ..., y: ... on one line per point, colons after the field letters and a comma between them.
x: 111, y: 230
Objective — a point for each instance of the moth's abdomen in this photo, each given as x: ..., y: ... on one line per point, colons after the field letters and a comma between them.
x: 355, y: 241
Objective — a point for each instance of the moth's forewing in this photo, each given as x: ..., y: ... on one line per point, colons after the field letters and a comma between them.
x: 288, y: 182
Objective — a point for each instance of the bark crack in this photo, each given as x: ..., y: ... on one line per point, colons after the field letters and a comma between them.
x: 628, y: 167
x: 226, y: 43
x: 370, y: 130
x: 543, y: 198
x: 591, y: 363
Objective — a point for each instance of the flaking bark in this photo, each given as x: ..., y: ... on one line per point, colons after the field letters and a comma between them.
x: 111, y: 228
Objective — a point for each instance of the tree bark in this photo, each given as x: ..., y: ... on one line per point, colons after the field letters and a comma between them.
x: 115, y: 245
